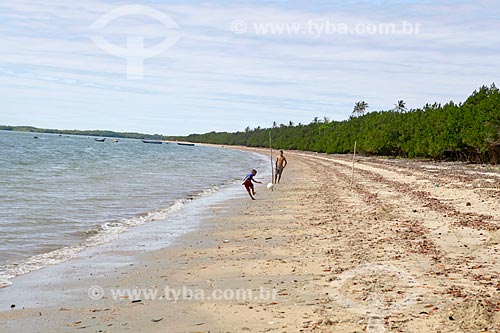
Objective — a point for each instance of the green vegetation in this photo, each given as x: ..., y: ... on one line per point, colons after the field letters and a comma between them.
x: 467, y: 131
x: 98, y: 133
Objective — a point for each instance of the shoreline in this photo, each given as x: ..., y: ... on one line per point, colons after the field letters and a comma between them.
x: 43, y: 289
x: 101, y: 236
x: 122, y: 219
x: 331, y: 254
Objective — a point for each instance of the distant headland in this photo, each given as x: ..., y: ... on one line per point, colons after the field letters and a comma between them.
x: 98, y: 133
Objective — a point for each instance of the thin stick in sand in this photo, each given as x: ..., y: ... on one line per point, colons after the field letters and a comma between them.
x: 353, y: 158
x: 271, y: 149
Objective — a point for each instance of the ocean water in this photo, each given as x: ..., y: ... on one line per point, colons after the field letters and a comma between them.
x: 60, y: 195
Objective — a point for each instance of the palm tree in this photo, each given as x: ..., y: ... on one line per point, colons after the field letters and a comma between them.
x: 400, y: 106
x: 290, y: 123
x: 326, y: 120
x: 315, y: 120
x: 360, y: 108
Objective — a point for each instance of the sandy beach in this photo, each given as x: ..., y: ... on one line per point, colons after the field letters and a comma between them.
x: 408, y: 247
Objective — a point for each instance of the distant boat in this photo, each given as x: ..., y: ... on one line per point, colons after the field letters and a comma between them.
x: 155, y: 142
x: 115, y: 140
x: 100, y: 140
x: 185, y: 144
x: 35, y: 137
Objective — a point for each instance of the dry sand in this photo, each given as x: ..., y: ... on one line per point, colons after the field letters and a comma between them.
x: 411, y: 247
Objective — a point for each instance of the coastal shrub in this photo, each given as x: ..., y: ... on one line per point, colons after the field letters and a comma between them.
x: 468, y: 131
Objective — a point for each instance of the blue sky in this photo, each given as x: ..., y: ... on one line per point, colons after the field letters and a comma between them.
x: 212, y: 78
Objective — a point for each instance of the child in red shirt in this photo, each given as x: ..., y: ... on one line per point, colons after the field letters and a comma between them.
x: 247, y: 181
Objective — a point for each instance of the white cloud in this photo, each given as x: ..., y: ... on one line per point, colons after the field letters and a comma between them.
x: 213, y: 78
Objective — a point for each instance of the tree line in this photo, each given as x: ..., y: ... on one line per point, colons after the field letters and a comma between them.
x: 468, y: 131
x: 98, y: 133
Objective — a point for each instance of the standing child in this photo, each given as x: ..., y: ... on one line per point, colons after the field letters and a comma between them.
x: 247, y: 181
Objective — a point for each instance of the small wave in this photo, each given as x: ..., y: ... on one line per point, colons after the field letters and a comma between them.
x: 99, y: 235
x: 4, y: 282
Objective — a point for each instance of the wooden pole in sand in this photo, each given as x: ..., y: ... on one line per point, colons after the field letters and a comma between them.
x: 353, y: 158
x: 271, y: 149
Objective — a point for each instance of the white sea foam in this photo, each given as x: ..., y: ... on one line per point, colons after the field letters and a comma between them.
x: 103, y: 234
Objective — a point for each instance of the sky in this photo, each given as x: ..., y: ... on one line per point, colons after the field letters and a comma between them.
x: 180, y: 67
